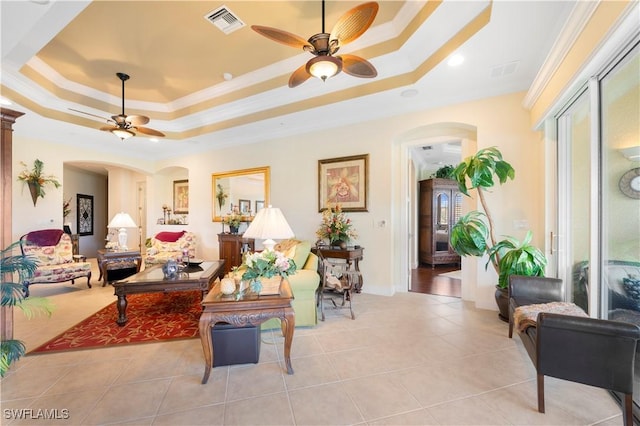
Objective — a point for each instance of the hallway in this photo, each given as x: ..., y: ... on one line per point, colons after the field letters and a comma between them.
x: 428, y: 280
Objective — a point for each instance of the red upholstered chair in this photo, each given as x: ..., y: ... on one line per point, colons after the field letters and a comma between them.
x: 53, y: 251
x: 169, y: 245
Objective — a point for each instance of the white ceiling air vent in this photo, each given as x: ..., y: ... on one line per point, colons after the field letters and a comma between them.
x: 224, y: 19
x: 504, y: 69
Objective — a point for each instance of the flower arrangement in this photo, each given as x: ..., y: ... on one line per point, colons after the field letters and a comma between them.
x: 336, y: 226
x: 36, y: 179
x: 266, y: 264
x: 66, y: 208
x: 232, y: 219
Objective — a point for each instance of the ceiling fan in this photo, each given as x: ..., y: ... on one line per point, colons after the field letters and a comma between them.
x: 324, y: 45
x: 125, y: 126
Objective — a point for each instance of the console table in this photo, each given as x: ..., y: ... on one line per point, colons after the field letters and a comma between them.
x: 351, y: 255
x: 114, y: 259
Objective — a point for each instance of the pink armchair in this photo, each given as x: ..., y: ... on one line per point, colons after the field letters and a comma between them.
x: 53, y: 252
x: 169, y: 245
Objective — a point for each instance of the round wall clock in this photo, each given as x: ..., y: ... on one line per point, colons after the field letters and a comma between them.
x: 630, y: 183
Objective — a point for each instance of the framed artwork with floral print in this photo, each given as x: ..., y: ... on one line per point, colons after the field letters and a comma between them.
x: 181, y: 196
x: 85, y: 214
x: 344, y: 181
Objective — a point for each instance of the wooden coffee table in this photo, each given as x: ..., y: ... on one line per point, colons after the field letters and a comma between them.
x: 249, y: 309
x: 152, y: 280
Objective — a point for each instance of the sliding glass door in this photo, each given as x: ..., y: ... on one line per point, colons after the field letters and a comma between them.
x: 599, y: 193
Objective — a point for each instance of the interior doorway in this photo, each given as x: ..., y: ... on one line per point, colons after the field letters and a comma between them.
x: 433, y: 273
x: 409, y: 173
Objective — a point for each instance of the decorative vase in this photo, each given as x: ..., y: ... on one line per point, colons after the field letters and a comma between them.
x: 170, y: 269
x: 339, y: 243
x: 227, y: 285
x: 502, y: 299
x: 233, y: 229
x: 33, y: 189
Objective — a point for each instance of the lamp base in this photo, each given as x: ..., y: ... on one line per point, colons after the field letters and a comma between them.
x: 122, y: 239
x: 269, y: 244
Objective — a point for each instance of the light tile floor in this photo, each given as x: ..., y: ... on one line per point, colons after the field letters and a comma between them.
x: 408, y: 359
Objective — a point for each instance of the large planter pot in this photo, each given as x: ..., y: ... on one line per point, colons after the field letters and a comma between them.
x: 502, y: 299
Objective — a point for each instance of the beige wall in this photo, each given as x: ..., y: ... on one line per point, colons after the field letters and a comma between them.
x: 499, y: 121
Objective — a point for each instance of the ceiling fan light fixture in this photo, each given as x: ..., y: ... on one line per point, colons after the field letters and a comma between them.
x: 123, y: 133
x: 324, y: 67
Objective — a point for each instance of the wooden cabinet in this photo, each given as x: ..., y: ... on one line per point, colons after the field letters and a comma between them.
x: 231, y: 249
x: 440, y: 207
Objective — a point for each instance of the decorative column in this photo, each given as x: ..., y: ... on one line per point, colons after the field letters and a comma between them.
x: 6, y: 171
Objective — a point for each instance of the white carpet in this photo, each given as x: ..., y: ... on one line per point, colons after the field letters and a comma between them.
x: 456, y: 275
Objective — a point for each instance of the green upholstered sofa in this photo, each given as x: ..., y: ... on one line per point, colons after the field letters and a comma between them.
x: 304, y: 283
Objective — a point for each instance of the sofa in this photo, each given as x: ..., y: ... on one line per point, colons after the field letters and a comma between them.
x: 304, y: 283
x: 54, y: 254
x: 169, y: 245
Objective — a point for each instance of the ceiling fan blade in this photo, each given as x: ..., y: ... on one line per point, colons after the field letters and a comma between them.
x: 281, y: 36
x: 354, y: 23
x: 299, y: 76
x: 88, y: 113
x: 148, y: 131
x: 357, y: 66
x: 136, y: 119
x: 108, y: 128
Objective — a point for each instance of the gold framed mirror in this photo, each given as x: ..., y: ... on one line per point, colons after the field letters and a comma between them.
x: 240, y: 191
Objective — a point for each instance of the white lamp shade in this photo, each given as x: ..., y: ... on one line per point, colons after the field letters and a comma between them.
x: 122, y: 221
x: 269, y: 224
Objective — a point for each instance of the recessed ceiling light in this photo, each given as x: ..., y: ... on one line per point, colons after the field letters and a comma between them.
x: 153, y: 139
x: 4, y: 101
x: 409, y: 93
x: 227, y: 76
x: 455, y: 60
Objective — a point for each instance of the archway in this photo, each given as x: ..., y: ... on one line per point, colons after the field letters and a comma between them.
x: 405, y: 175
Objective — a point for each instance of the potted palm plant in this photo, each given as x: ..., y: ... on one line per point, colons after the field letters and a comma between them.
x: 18, y: 267
x: 473, y: 234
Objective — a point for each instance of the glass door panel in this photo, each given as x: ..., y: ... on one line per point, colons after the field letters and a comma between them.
x: 574, y: 156
x: 620, y: 200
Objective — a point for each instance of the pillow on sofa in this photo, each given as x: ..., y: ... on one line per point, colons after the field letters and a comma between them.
x: 302, y: 250
x: 621, y: 301
x: 169, y: 237
x: 632, y: 287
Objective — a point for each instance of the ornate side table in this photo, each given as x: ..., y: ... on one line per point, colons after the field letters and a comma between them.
x: 248, y: 309
x: 113, y: 259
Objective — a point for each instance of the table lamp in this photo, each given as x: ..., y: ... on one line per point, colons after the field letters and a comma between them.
x: 269, y: 224
x: 122, y: 221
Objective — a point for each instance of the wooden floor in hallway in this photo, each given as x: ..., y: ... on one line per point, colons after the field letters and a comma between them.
x: 427, y: 279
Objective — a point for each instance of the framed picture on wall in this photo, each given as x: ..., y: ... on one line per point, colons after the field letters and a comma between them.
x: 245, y: 206
x: 85, y: 214
x: 259, y: 205
x: 181, y: 196
x: 344, y: 181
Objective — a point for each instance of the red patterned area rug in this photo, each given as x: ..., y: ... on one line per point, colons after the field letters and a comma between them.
x: 151, y: 318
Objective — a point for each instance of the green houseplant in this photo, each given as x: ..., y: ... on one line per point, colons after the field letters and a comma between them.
x: 20, y: 267
x: 474, y: 235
